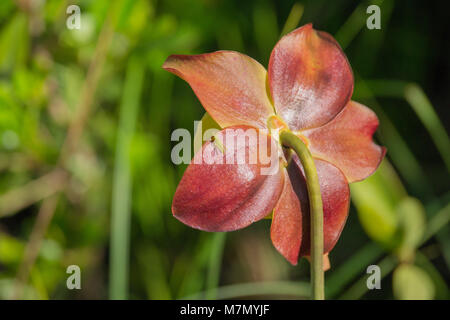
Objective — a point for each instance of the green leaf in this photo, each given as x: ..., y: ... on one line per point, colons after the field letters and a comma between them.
x: 11, y: 249
x: 206, y: 123
x: 412, y: 283
x: 14, y: 43
x: 375, y: 199
x: 412, y: 223
x: 430, y: 119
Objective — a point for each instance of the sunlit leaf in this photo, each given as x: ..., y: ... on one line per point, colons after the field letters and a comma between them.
x: 412, y: 283
x: 412, y: 223
x: 376, y: 207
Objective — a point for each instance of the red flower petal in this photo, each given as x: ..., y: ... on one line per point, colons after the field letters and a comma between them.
x: 231, y: 86
x: 286, y: 228
x: 335, y: 198
x: 218, y: 196
x: 346, y: 141
x: 310, y: 78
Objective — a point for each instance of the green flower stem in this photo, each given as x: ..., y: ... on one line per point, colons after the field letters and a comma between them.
x: 290, y: 140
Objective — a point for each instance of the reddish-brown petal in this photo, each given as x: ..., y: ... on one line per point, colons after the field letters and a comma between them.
x: 286, y: 229
x: 218, y: 192
x: 231, y: 86
x: 310, y: 78
x: 346, y: 141
x: 335, y: 198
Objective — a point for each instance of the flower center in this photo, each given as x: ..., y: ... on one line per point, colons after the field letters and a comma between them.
x: 276, y: 125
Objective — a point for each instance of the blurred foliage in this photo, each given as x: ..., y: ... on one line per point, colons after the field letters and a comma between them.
x: 85, y: 173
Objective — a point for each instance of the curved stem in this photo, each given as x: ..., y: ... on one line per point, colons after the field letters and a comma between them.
x: 290, y: 140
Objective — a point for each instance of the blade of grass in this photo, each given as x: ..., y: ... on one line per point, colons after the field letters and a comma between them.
x: 293, y: 18
x: 438, y: 221
x: 121, y: 194
x: 358, y: 289
x: 426, y: 113
x: 421, y: 105
x: 192, y: 275
x: 437, y: 206
x: 215, y: 263
x: 284, y: 288
x: 382, y: 88
x: 353, y: 267
x: 405, y: 161
x: 357, y: 20
x: 43, y: 187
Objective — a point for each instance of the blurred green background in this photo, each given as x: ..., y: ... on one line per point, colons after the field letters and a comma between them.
x: 85, y: 172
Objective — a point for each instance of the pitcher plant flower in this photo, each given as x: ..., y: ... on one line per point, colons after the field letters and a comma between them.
x: 306, y: 92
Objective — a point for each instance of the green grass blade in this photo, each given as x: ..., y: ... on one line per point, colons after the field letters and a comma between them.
x: 121, y: 194
x: 357, y: 290
x: 426, y: 113
x: 353, y: 25
x: 215, y: 263
x: 398, y: 150
x: 421, y: 105
x: 353, y: 267
x: 270, y: 288
x: 293, y: 19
